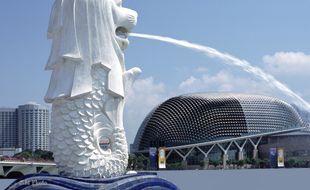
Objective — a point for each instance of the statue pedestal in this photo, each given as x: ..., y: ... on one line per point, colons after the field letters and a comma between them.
x: 139, y: 181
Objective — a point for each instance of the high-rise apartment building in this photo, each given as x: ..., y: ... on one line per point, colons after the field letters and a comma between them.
x: 8, y: 128
x: 33, y: 127
x: 26, y: 127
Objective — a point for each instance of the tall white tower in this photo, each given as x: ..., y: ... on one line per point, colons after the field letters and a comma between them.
x: 33, y: 127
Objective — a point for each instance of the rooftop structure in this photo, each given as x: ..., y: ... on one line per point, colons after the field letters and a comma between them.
x: 199, y: 118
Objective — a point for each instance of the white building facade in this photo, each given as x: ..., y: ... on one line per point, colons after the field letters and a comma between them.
x: 26, y: 127
x: 33, y: 127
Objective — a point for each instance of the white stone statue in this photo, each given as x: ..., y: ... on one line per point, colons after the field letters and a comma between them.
x: 88, y: 86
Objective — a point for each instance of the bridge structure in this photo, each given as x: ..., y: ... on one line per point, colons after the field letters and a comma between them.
x: 15, y: 169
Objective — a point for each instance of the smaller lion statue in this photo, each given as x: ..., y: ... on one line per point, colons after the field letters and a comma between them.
x: 88, y: 86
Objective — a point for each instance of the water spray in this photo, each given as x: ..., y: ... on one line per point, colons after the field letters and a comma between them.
x: 232, y: 60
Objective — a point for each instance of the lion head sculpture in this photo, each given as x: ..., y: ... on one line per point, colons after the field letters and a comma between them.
x: 85, y: 33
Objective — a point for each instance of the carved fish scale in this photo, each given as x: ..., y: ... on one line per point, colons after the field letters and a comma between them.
x: 78, y: 127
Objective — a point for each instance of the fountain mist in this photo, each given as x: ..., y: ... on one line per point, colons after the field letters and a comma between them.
x: 231, y: 60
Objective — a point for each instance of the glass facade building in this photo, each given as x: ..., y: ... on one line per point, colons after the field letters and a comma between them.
x: 8, y: 128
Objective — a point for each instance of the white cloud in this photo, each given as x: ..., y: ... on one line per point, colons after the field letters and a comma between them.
x: 188, y: 82
x: 223, y: 81
x: 146, y: 90
x: 292, y: 68
x: 144, y: 96
x: 296, y: 64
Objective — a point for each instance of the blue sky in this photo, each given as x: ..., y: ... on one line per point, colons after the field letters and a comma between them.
x: 273, y: 35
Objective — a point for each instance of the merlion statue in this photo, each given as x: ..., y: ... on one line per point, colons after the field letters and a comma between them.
x: 88, y: 86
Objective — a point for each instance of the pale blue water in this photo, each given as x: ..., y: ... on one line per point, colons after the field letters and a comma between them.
x: 265, y: 179
x: 277, y: 179
x: 4, y: 183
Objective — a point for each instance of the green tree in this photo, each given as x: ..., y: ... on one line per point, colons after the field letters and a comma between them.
x: 241, y: 163
x: 27, y: 154
x: 137, y: 162
x: 175, y: 166
x: 36, y: 155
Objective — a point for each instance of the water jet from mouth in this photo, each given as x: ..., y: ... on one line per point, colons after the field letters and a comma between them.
x: 231, y: 60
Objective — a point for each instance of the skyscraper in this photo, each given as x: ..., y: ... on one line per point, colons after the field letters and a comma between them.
x: 33, y: 127
x: 8, y: 128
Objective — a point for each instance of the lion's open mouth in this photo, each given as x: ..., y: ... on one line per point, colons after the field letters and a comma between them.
x: 121, y: 32
x: 122, y: 37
